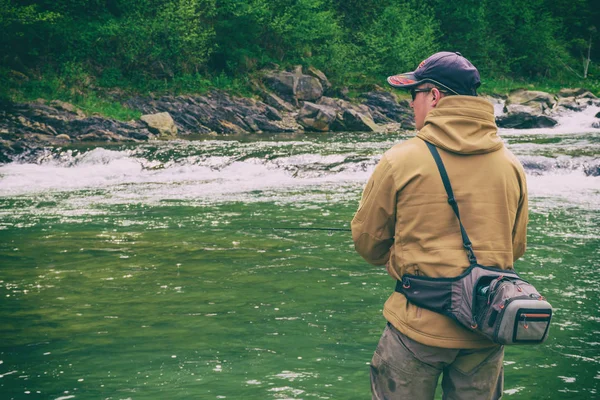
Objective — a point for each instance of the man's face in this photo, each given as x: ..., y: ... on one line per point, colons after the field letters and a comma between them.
x: 421, y: 104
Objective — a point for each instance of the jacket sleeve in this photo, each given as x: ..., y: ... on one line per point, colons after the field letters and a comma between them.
x: 373, y: 224
x: 520, y: 229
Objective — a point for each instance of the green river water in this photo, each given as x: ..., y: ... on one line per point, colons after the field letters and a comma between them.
x: 176, y: 270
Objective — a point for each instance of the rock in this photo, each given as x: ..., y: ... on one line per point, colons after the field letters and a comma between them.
x: 161, y: 124
x: 316, y: 117
x: 592, y: 170
x: 231, y: 128
x: 385, y: 108
x: 272, y: 114
x: 320, y: 76
x: 571, y: 103
x: 597, y: 115
x: 596, y: 125
x: 62, y: 136
x: 538, y: 101
x: 330, y: 102
x: 294, y: 86
x: 282, y: 83
x: 587, y: 95
x: 350, y: 117
x: 206, y: 114
x: 572, y: 92
x: 524, y: 120
x: 355, y: 121
x: 308, y: 88
x: 61, y: 105
x: 277, y: 102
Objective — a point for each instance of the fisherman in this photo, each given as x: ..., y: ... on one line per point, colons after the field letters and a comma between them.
x: 404, y: 222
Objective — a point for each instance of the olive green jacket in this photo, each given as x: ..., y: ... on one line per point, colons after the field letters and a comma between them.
x: 404, y: 220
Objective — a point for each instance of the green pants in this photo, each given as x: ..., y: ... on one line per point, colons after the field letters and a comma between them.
x: 405, y: 369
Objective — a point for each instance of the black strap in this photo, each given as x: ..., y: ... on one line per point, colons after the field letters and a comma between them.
x: 452, y: 201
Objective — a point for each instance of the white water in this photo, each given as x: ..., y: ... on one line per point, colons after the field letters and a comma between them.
x: 216, y: 170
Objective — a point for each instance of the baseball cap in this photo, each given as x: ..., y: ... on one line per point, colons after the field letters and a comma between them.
x: 449, y: 70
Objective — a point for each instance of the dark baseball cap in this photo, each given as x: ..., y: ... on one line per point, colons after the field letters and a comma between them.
x: 448, y: 70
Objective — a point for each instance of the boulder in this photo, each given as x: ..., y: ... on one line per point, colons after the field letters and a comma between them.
x: 576, y: 92
x: 357, y: 122
x: 161, y: 124
x: 316, y: 117
x: 61, y: 105
x: 592, y: 170
x: 524, y: 120
x: 272, y: 114
x: 308, y: 88
x: 596, y: 125
x: 294, y: 86
x: 282, y: 83
x: 312, y: 71
x: 277, y: 102
x: 385, y: 107
x: 539, y: 102
x: 571, y: 103
x: 215, y: 112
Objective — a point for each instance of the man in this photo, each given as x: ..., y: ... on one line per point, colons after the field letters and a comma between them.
x: 404, y: 221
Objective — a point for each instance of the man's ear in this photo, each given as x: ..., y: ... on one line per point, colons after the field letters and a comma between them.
x: 436, y: 96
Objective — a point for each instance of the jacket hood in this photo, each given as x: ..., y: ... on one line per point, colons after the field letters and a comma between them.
x: 462, y: 124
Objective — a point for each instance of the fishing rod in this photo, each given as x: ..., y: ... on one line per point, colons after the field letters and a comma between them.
x: 308, y: 229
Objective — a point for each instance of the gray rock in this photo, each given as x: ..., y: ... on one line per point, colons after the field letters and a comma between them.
x: 331, y: 102
x: 576, y: 92
x: 161, y: 124
x: 277, y: 102
x: 524, y: 120
x: 355, y: 121
x: 282, y: 83
x: 385, y: 108
x: 571, y: 103
x: 61, y: 105
x: 536, y: 101
x: 315, y: 117
x: 592, y: 170
x: 320, y: 76
x: 308, y: 88
x: 272, y: 114
x: 215, y: 112
x: 294, y: 86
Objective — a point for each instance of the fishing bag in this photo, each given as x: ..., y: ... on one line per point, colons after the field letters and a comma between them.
x: 494, y: 302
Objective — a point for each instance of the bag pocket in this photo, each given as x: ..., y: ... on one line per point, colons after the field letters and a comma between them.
x: 516, y: 314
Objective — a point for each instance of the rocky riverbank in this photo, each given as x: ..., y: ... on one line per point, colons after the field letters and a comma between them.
x: 286, y: 101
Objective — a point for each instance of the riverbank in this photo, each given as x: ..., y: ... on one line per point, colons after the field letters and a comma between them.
x: 301, y: 101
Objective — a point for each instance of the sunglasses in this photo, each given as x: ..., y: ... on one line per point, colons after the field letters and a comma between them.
x: 413, y: 92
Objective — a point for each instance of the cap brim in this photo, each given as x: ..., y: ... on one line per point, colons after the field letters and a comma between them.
x: 403, y: 81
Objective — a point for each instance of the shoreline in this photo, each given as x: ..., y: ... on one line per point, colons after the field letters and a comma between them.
x: 298, y: 102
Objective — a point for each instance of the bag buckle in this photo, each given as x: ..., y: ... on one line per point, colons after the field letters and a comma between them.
x: 406, y: 283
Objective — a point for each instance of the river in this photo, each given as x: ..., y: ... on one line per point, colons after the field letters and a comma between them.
x: 197, y: 269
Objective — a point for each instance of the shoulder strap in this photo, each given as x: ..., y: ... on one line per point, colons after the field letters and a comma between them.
x: 452, y: 201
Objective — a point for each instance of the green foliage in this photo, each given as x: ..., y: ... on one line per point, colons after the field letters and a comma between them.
x: 253, y: 33
x: 58, y: 87
x: 394, y: 43
x: 88, y: 48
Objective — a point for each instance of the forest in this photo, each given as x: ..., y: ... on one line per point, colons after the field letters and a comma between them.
x: 50, y: 47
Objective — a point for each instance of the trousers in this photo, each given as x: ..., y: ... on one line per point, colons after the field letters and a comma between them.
x: 402, y: 368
